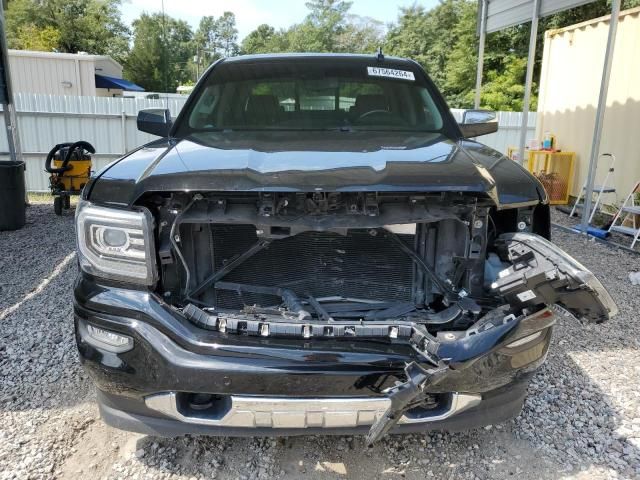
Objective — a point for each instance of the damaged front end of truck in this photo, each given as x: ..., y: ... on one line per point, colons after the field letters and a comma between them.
x: 441, y: 273
x: 316, y: 246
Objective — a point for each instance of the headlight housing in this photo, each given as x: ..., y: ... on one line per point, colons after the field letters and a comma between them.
x: 543, y: 273
x: 116, y: 244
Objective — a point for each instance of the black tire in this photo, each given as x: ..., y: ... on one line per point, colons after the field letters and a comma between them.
x: 57, y: 205
x: 67, y: 202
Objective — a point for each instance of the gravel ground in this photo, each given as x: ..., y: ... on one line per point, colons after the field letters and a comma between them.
x: 581, y: 419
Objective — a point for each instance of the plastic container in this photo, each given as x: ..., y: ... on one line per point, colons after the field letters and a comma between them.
x: 534, y: 144
x: 12, y: 196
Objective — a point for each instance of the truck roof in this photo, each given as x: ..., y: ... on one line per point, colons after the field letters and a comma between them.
x: 356, y: 57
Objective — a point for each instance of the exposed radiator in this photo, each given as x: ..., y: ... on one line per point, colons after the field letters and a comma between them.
x: 318, y: 263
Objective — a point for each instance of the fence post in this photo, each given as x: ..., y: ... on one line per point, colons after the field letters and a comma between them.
x: 123, y: 129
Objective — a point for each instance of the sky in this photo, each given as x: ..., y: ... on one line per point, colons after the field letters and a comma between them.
x: 251, y: 13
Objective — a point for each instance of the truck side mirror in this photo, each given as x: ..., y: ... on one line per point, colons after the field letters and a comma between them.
x: 156, y: 121
x: 478, y: 122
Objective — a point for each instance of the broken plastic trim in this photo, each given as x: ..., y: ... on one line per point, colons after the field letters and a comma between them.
x: 405, y: 396
x: 543, y: 274
x: 489, y: 332
x: 248, y: 324
x: 478, y: 341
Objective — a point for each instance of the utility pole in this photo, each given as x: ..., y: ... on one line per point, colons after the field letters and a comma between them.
x: 6, y: 99
x: 602, y: 105
x: 196, y: 60
x: 533, y: 35
x: 482, y: 40
x: 13, y: 191
x: 200, y: 52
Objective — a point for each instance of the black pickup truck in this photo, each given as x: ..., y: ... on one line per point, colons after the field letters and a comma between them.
x: 316, y: 246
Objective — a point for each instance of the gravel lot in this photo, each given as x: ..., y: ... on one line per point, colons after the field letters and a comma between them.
x: 581, y: 420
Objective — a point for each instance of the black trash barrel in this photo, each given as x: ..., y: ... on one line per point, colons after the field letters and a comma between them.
x: 12, y: 196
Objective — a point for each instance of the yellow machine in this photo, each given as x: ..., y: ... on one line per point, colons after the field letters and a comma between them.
x: 70, y: 167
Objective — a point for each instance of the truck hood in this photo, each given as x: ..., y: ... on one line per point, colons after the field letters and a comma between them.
x: 315, y: 161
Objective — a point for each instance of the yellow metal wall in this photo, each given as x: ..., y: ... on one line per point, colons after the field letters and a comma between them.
x: 569, y: 85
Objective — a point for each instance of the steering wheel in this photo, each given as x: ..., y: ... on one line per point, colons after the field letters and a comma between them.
x: 372, y: 112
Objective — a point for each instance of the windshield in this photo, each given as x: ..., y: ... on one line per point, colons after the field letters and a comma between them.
x: 310, y: 95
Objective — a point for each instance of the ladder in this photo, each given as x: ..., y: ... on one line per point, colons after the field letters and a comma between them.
x: 599, y: 189
x: 631, y: 211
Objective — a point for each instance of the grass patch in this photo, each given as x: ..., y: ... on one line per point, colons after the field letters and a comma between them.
x: 40, y: 197
x: 44, y: 197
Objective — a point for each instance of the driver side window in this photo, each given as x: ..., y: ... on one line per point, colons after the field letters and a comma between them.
x: 202, y: 115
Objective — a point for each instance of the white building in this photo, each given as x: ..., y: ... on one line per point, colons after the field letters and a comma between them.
x: 67, y: 74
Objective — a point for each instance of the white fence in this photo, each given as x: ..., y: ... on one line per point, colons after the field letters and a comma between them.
x: 109, y: 124
x: 508, y: 135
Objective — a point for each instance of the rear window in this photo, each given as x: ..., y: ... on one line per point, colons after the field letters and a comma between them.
x: 303, y: 95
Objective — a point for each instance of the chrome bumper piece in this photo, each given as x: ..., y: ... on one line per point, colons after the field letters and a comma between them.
x: 276, y: 412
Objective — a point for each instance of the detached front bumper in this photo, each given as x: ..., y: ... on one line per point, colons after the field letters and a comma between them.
x: 287, y: 387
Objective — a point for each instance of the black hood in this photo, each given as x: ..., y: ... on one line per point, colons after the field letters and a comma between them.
x: 315, y: 161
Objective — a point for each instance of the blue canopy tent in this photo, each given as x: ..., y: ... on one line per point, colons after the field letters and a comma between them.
x: 103, y: 81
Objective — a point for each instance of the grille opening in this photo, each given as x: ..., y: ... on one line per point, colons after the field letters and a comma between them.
x: 359, y: 264
x: 349, y: 275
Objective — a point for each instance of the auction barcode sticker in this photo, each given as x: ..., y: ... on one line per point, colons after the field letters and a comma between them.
x: 526, y: 296
x: 391, y: 73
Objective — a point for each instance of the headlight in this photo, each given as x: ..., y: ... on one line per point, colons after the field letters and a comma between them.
x: 116, y: 244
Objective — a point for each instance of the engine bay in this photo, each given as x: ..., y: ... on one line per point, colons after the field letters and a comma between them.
x: 363, y: 264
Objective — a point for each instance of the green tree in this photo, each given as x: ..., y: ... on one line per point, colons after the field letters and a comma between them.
x: 504, y: 89
x: 444, y: 41
x: 72, y: 26
x: 30, y: 37
x: 205, y: 40
x: 227, y: 37
x: 430, y: 36
x: 321, y: 28
x: 215, y: 38
x: 160, y: 56
x: 326, y: 21
x: 460, y: 75
x: 263, y: 39
x: 327, y: 28
x: 360, y: 35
